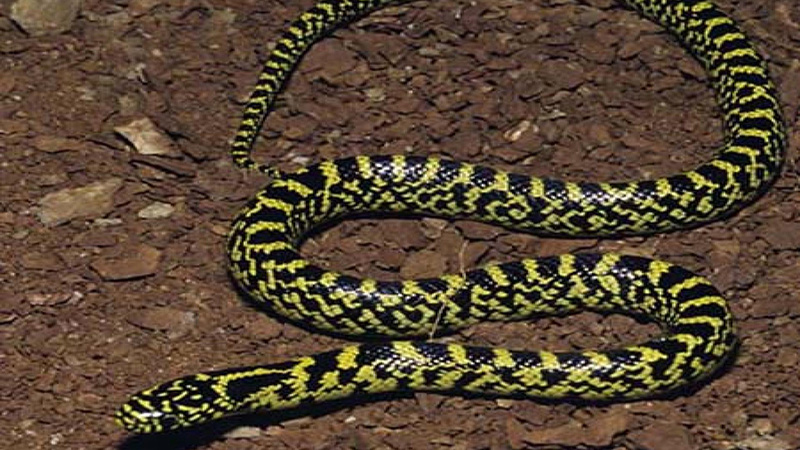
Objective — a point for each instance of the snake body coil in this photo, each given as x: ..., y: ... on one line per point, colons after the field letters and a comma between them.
x: 263, y: 248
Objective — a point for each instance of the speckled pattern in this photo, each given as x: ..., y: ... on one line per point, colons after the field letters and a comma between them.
x: 266, y: 262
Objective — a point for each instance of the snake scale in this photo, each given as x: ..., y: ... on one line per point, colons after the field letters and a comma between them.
x: 698, y: 333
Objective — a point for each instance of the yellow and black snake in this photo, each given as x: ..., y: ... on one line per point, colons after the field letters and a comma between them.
x: 263, y: 248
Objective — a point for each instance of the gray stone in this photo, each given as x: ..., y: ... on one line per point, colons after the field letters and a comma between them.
x: 42, y: 17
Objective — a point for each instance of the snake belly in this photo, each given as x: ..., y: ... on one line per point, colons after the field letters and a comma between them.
x: 263, y: 244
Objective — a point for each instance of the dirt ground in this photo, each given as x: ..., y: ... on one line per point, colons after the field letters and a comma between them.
x: 133, y: 290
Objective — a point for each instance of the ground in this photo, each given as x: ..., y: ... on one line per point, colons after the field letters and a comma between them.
x: 135, y: 291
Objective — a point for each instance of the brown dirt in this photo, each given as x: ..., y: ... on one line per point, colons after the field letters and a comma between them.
x: 562, y: 88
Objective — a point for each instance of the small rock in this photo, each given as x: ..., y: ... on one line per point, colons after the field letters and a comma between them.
x: 630, y: 49
x: 601, y: 429
x: 505, y: 403
x: 464, y: 144
x: 762, y: 426
x: 89, y: 401
x: 55, y: 144
x: 41, y: 17
x: 405, y: 105
x: 147, y: 138
x: 51, y: 179
x: 263, y: 330
x: 390, y: 258
x: 432, y: 227
x: 41, y: 261
x: 54, y: 299
x: 428, y: 402
x: 570, y: 435
x: 774, y: 306
x: 91, y: 201
x: 140, y: 261
x: 331, y: 58
x: 790, y: 87
x: 562, y: 75
x: 515, y: 433
x: 636, y: 140
x: 10, y: 126
x: 783, y: 235
x: 375, y: 95
x: 156, y: 210
x: 423, y: 264
x: 7, y: 312
x: 140, y: 7
x: 662, y: 436
x: 299, y: 128
x: 513, y: 134
x: 403, y: 233
x: 7, y: 83
x: 174, y: 321
x: 471, y: 254
x: 450, y: 244
x: 788, y: 357
x: 108, y: 222
x: 598, y: 431
x: 21, y: 234
x: 764, y: 443
x: 244, y: 433
x: 478, y: 230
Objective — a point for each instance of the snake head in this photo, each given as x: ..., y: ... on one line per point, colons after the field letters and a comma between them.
x: 180, y: 403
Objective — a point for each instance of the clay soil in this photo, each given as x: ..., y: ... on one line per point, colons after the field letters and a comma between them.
x: 96, y: 308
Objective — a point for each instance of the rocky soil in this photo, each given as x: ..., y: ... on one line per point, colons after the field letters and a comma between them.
x: 116, y: 192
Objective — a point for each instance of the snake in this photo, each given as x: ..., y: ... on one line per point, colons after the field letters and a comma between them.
x: 697, y: 331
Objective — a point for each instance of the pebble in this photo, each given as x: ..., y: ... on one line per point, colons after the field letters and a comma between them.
x: 331, y: 58
x: 263, y: 330
x: 147, y: 138
x: 424, y: 264
x: 55, y: 144
x: 108, y: 222
x: 163, y: 318
x: 783, y: 235
x: 562, y: 75
x: 764, y: 443
x: 7, y: 83
x: 89, y: 202
x: 517, y: 131
x: 569, y: 434
x: 597, y: 432
x: 662, y: 436
x: 432, y: 227
x: 137, y: 262
x: 54, y: 299
x: 7, y: 313
x: 42, y: 17
x: 775, y: 305
x: 41, y: 261
x: 478, y: 230
x: 156, y: 210
x: 51, y: 179
x: 244, y: 433
x: 515, y: 434
x: 401, y: 233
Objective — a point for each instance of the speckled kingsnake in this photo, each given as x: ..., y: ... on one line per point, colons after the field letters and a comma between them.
x: 263, y: 249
